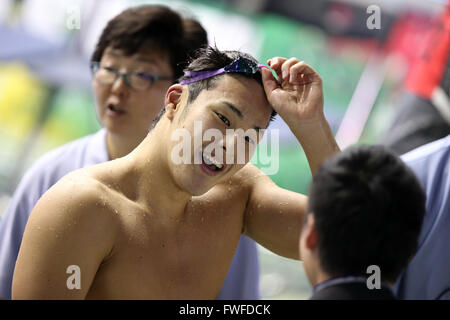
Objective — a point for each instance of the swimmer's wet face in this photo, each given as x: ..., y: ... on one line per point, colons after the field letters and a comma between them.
x: 235, y: 103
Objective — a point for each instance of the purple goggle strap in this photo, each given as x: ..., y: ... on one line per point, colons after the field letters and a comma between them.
x: 201, y: 75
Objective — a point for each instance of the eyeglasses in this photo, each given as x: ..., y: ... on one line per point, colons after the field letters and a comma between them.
x: 240, y: 65
x: 137, y: 80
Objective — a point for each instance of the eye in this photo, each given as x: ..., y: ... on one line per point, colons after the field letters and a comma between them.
x: 224, y: 119
x: 110, y: 69
x: 144, y: 75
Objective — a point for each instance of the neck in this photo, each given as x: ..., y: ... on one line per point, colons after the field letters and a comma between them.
x: 320, y: 277
x: 119, y: 145
x: 155, y: 185
x: 315, y: 272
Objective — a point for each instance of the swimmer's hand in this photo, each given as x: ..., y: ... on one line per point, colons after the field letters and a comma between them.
x: 298, y: 99
x: 297, y: 96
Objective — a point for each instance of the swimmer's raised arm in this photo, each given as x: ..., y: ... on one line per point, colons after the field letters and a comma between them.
x: 274, y: 216
x: 298, y: 99
x: 66, y: 228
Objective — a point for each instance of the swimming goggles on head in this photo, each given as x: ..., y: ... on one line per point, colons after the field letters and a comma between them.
x: 240, y: 65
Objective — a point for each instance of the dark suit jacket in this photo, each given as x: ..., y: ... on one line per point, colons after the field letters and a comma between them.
x: 352, y: 291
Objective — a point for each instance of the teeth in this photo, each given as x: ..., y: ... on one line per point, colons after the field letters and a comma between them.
x: 213, y: 161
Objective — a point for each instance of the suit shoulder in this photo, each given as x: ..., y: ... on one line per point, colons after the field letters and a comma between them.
x: 53, y: 165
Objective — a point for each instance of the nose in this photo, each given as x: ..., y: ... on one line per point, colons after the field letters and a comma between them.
x: 229, y: 142
x: 239, y: 148
x: 234, y: 154
x: 219, y: 149
x: 120, y: 87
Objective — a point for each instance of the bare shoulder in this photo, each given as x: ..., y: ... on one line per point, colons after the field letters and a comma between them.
x: 77, y: 197
x: 250, y: 176
x: 66, y: 227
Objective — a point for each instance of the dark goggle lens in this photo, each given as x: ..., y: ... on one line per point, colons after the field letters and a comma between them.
x: 242, y: 65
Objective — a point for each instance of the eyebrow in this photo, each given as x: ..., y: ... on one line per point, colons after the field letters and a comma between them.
x: 115, y: 53
x: 146, y: 60
x: 238, y: 112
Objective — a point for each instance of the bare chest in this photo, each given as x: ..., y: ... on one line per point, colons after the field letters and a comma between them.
x: 180, y: 258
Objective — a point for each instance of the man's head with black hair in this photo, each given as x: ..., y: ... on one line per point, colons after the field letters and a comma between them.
x: 227, y: 101
x: 365, y: 208
x: 208, y: 59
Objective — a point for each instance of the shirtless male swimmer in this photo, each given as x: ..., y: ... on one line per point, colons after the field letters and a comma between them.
x: 143, y: 227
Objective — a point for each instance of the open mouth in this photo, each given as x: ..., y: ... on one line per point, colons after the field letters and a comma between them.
x: 211, y: 166
x: 114, y: 110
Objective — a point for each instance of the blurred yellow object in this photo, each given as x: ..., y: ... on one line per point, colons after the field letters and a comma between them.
x: 21, y: 96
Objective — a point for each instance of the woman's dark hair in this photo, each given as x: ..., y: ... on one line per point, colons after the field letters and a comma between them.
x: 368, y: 209
x: 156, y: 27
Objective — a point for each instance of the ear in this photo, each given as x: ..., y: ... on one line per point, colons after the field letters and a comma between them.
x: 311, y: 238
x: 172, y: 100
